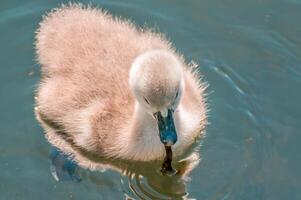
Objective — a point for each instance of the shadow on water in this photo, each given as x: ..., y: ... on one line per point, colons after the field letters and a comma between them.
x: 142, y: 180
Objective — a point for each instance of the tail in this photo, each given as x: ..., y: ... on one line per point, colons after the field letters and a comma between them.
x: 62, y: 36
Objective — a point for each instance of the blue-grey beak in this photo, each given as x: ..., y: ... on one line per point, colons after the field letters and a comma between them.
x: 167, y: 130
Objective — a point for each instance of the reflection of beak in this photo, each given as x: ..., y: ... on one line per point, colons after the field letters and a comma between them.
x: 167, y: 130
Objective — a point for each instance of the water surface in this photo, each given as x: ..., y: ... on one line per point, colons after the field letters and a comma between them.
x: 248, y: 51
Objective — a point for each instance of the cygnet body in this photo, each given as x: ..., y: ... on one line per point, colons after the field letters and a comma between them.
x: 103, y: 81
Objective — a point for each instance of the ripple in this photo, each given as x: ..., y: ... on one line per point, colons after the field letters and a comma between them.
x: 255, y: 147
x: 233, y: 80
x: 149, y: 183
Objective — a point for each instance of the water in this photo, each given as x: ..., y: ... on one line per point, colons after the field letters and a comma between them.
x: 250, y: 54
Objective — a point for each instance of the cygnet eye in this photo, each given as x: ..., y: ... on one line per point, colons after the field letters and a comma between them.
x: 146, y: 100
x: 177, y: 94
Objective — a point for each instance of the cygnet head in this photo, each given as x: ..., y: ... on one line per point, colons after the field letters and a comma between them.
x: 156, y: 79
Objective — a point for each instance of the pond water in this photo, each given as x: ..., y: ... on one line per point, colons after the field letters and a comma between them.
x: 249, y: 53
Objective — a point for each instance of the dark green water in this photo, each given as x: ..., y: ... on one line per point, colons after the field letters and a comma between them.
x: 250, y: 54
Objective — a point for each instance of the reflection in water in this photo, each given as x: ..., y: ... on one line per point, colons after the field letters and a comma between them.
x: 146, y: 181
x: 139, y: 179
x: 62, y: 168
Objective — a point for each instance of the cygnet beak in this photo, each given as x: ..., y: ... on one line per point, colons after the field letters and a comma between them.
x: 167, y: 130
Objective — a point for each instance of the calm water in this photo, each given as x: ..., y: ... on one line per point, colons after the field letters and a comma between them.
x: 250, y: 54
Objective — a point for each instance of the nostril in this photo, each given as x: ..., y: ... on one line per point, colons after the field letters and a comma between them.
x: 164, y: 112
